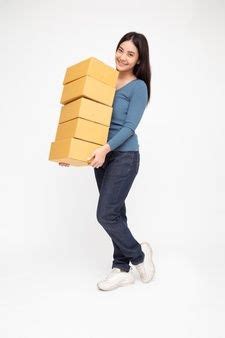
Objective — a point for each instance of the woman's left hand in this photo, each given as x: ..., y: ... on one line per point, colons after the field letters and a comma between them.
x: 99, y: 156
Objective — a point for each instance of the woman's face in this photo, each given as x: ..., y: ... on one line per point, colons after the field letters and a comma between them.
x: 126, y: 56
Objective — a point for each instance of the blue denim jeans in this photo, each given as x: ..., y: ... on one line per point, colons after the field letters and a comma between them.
x: 114, y: 180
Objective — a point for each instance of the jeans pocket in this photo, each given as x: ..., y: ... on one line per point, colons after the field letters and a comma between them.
x: 123, y: 163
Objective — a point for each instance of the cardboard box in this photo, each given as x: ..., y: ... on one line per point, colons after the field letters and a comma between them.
x: 94, y: 68
x: 90, y: 88
x: 84, y: 130
x: 87, y: 109
x: 72, y: 151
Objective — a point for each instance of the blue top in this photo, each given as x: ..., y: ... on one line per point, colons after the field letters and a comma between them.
x: 128, y: 107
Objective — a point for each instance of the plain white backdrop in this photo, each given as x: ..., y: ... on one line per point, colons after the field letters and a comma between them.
x: 53, y: 250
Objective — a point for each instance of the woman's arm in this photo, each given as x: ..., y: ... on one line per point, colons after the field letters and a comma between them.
x: 136, y: 109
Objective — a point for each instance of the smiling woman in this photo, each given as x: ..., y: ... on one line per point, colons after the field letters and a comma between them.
x: 122, y: 54
x: 116, y: 164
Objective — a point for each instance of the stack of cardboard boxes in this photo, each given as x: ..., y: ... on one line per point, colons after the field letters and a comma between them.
x: 87, y: 98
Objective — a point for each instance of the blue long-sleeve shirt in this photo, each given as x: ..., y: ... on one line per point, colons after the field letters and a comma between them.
x: 128, y: 107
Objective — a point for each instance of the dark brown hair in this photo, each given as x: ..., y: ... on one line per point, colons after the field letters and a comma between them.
x: 143, y: 69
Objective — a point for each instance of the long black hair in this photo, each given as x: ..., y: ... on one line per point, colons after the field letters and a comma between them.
x: 143, y: 69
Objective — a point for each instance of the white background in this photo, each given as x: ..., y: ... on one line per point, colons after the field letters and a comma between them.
x: 53, y: 251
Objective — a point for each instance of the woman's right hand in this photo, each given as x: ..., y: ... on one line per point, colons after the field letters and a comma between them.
x: 64, y: 164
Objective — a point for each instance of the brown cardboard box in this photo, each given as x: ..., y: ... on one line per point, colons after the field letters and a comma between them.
x: 87, y: 98
x: 84, y: 130
x: 89, y: 87
x: 87, y: 109
x: 72, y: 151
x: 94, y: 68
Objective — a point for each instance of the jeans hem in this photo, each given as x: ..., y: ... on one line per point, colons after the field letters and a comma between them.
x: 121, y: 268
x: 138, y: 261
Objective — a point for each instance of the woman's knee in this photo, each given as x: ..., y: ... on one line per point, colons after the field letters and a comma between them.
x: 106, y: 216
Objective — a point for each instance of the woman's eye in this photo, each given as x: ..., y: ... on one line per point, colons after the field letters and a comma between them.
x: 130, y: 55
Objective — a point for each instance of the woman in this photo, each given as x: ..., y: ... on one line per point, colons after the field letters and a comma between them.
x: 117, y: 162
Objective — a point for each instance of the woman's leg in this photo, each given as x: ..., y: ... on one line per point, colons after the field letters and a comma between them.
x: 120, y: 172
x: 118, y: 256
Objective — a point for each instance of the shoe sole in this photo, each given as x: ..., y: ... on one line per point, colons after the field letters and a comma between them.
x: 116, y: 285
x: 150, y: 262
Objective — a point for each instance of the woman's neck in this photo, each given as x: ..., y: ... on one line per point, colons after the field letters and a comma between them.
x: 124, y: 76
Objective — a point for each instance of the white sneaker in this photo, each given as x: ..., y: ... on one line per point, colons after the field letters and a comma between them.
x: 115, y: 279
x: 146, y: 269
